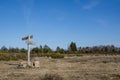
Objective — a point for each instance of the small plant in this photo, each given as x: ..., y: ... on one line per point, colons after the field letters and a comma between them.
x: 104, y: 62
x: 52, y: 77
x: 110, y: 77
x: 79, y: 54
x: 104, y: 78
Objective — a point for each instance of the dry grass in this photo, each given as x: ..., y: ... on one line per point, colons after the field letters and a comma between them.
x: 70, y: 68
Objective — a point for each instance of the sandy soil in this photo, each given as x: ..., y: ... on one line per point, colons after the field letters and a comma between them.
x: 70, y: 68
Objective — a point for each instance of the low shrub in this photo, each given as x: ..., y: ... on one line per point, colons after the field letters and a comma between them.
x: 52, y: 77
x: 79, y: 54
x: 56, y: 56
x: 110, y: 77
x: 12, y: 56
x: 23, y: 56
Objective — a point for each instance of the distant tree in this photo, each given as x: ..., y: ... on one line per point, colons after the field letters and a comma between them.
x: 47, y: 49
x: 35, y: 50
x: 23, y: 50
x: 112, y: 48
x: 17, y: 50
x: 41, y: 49
x: 60, y: 50
x: 4, y: 49
x: 118, y: 50
x: 72, y: 47
x: 108, y: 49
x: 11, y: 50
x: 14, y: 50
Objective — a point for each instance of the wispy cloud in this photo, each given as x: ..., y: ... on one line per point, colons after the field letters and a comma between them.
x: 59, y: 15
x: 77, y: 1
x: 60, y: 18
x: 88, y: 4
x: 102, y: 22
x: 92, y: 4
x: 27, y: 6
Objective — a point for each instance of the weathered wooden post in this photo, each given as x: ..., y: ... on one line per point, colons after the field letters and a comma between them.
x: 28, y: 47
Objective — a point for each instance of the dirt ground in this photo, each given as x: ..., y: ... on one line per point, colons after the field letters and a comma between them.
x: 70, y: 68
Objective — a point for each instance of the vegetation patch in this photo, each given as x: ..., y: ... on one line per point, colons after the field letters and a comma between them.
x: 52, y: 77
x: 110, y: 77
x: 12, y: 56
x: 56, y: 56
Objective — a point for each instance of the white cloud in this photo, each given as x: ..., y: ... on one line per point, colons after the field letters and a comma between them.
x: 77, y: 1
x: 90, y: 5
x: 87, y: 5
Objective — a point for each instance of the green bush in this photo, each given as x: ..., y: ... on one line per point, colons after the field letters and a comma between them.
x: 4, y: 57
x: 56, y: 55
x: 52, y: 55
x: 12, y: 56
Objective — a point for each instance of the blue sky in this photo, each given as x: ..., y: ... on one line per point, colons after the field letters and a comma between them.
x: 58, y: 22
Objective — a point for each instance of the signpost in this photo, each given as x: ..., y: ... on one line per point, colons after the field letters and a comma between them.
x: 28, y: 42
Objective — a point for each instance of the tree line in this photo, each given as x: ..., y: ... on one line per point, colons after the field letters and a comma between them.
x: 72, y: 49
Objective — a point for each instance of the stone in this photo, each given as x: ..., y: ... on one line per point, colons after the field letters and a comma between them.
x: 36, y: 64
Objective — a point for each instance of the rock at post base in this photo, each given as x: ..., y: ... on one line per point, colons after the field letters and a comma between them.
x: 36, y: 64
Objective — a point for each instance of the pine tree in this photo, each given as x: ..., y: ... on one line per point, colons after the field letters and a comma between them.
x: 72, y: 47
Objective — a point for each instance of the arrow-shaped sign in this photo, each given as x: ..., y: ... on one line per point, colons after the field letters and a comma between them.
x: 25, y: 38
x: 31, y: 42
